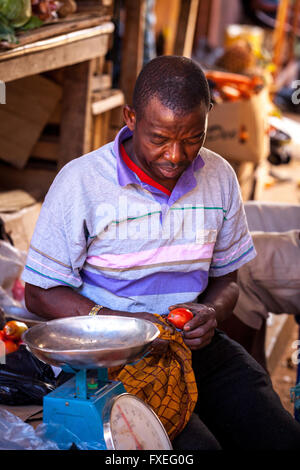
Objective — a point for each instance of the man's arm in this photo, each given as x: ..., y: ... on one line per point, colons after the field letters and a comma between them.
x: 216, y: 304
x: 61, y: 301
x: 56, y: 302
x: 222, y: 294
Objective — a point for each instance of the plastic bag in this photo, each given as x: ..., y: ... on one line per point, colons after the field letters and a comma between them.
x: 17, y: 435
x: 24, y: 379
x: 12, y: 263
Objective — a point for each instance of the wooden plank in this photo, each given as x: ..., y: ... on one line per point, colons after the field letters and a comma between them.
x: 202, y: 20
x: 101, y: 82
x: 101, y: 89
x: 166, y: 22
x: 92, y: 5
x: 55, y: 117
x: 30, y: 103
x: 101, y: 126
x: 279, y: 33
x: 61, y: 26
x: 54, y: 55
x: 46, y: 148
x: 75, y: 129
x: 186, y: 27
x: 106, y: 101
x: 133, y: 45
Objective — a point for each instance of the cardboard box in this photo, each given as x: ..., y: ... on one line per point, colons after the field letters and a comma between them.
x: 239, y: 130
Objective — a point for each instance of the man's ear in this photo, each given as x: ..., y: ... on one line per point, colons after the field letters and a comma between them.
x: 129, y: 117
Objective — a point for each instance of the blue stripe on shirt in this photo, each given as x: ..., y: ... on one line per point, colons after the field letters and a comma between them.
x: 157, y: 283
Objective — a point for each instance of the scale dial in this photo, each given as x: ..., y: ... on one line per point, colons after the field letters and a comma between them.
x: 130, y: 424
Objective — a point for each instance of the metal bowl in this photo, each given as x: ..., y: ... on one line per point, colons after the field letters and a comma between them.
x: 89, y: 342
x: 22, y: 314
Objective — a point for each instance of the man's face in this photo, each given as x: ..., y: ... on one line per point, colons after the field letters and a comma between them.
x: 165, y: 143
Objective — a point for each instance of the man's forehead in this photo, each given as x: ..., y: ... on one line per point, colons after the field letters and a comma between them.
x: 156, y: 112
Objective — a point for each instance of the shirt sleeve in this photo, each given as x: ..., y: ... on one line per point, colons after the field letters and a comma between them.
x: 58, y: 246
x: 234, y: 246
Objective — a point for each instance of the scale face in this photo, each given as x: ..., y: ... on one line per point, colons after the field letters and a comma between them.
x: 130, y: 424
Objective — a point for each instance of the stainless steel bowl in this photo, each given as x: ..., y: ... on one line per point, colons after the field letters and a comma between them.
x: 89, y: 342
x: 22, y: 314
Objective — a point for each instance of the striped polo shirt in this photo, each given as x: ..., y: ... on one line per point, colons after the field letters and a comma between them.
x: 127, y: 244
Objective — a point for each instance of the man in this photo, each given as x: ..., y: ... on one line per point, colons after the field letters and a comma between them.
x: 151, y: 221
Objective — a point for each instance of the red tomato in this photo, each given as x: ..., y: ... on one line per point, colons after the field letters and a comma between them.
x: 10, y: 346
x: 2, y: 336
x: 179, y: 317
x: 13, y: 330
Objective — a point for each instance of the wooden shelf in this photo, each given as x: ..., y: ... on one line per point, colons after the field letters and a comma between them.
x: 74, y: 22
x: 56, y: 52
x: 106, y: 100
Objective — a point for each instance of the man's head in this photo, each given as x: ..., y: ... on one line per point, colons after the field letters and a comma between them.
x: 177, y: 82
x: 169, y: 117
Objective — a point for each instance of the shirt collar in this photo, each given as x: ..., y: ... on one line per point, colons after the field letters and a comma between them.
x: 186, y: 182
x: 125, y: 175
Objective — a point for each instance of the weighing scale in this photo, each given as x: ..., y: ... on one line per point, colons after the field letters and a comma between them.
x: 89, y: 405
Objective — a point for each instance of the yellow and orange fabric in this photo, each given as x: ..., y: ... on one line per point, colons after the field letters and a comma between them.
x: 166, y: 383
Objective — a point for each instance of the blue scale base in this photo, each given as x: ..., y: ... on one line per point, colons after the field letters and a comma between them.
x: 78, y: 406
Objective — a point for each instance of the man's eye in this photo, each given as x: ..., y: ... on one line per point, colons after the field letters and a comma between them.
x: 159, y: 140
x: 195, y: 141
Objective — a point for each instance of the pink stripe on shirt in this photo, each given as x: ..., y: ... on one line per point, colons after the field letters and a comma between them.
x: 233, y: 252
x: 192, y: 251
x: 53, y: 270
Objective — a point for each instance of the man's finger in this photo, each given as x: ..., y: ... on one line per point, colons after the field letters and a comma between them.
x: 200, y: 318
x: 201, y: 331
x: 198, y: 343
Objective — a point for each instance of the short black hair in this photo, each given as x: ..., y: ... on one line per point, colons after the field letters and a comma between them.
x: 178, y: 82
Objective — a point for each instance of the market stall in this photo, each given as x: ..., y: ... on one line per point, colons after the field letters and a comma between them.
x: 72, y: 49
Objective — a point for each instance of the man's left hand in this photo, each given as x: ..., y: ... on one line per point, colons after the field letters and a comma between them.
x: 199, y: 331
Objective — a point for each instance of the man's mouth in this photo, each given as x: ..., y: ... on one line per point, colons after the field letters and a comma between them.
x: 170, y: 171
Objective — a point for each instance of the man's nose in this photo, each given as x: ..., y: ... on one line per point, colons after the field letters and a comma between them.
x: 174, y: 153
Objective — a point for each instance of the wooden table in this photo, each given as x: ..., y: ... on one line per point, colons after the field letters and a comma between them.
x: 74, y: 52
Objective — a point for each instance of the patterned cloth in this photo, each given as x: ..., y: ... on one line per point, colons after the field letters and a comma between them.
x: 166, y: 383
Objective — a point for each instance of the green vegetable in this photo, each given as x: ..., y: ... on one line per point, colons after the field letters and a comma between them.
x: 18, y: 12
x: 33, y: 23
x: 7, y: 32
